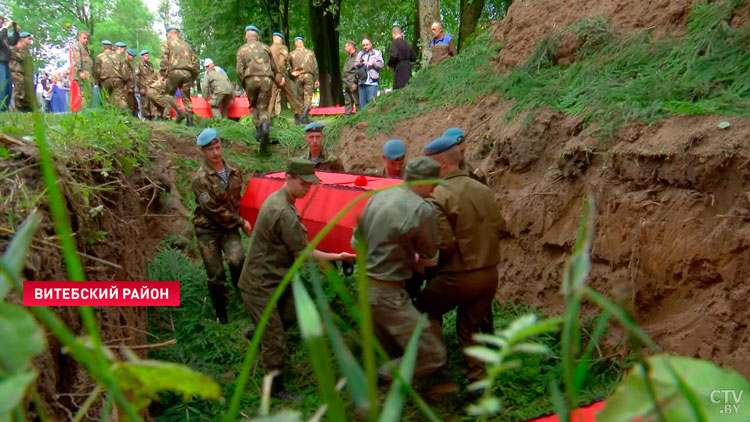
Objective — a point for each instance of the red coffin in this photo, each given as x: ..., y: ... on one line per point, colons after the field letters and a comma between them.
x: 238, y: 108
x: 319, y: 207
x: 329, y: 111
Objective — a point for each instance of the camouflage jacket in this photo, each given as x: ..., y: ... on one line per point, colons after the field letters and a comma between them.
x: 280, y: 55
x: 82, y: 61
x: 130, y: 79
x: 254, y: 59
x: 109, y: 65
x: 145, y: 74
x: 381, y: 172
x: 217, y: 202
x: 17, y: 56
x: 216, y: 82
x: 325, y: 162
x: 176, y: 54
x: 303, y: 60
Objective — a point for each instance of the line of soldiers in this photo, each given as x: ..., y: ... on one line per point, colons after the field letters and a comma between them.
x: 18, y: 55
x: 453, y: 228
x: 118, y: 79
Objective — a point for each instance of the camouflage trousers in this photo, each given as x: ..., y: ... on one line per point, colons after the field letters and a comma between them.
x: 211, y: 245
x: 131, y: 101
x: 395, y: 318
x: 273, y: 343
x: 290, y: 96
x: 20, y: 96
x: 113, y: 92
x: 156, y: 103
x: 472, y: 293
x: 305, y: 87
x: 182, y: 79
x: 223, y: 101
x: 258, y: 89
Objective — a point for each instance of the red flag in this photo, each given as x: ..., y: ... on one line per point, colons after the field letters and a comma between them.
x: 75, y: 90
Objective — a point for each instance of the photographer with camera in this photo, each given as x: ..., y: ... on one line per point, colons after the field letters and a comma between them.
x: 6, y: 90
x: 368, y: 64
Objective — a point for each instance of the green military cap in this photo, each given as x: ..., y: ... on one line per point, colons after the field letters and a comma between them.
x: 455, y: 132
x: 305, y: 169
x: 252, y: 28
x: 120, y: 44
x: 130, y: 51
x: 144, y: 52
x: 207, y: 136
x: 106, y: 42
x: 24, y: 34
x: 172, y: 28
x: 314, y: 127
x: 421, y: 168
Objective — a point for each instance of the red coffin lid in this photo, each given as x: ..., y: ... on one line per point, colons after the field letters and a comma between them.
x: 319, y: 207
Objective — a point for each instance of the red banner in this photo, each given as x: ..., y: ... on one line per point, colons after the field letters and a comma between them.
x: 101, y: 293
x: 75, y: 90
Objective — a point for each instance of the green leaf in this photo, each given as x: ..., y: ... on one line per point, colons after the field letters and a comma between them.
x: 531, y: 348
x: 4, y: 153
x: 490, y: 339
x: 631, y: 399
x: 15, y: 255
x: 484, y: 354
x: 147, y: 378
x: 18, y: 328
x: 13, y: 390
x: 308, y: 318
x: 486, y: 406
x: 723, y: 125
x: 547, y: 325
x: 285, y: 415
x: 394, y: 403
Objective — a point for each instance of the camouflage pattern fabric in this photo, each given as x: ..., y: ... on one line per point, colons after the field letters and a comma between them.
x: 183, y: 80
x: 256, y: 68
x: 110, y: 73
x: 325, y: 162
x: 280, y: 55
x: 145, y: 75
x: 179, y: 66
x: 258, y: 90
x: 303, y: 60
x: 218, y: 203
x: 82, y: 61
x: 217, y: 87
x: 18, y: 75
x: 130, y: 88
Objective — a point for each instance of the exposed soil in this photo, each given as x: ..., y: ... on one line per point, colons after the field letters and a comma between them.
x: 529, y: 22
x: 672, y: 214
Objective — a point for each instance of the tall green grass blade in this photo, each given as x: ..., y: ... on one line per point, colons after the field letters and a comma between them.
x: 311, y: 329
x: 581, y: 368
x: 15, y: 254
x: 620, y: 316
x: 367, y: 330
x: 394, y: 402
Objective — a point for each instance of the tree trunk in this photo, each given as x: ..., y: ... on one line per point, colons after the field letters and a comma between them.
x: 471, y: 10
x: 428, y: 11
x: 324, y: 23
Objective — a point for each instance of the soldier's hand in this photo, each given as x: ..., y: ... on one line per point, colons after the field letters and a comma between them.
x: 317, y: 84
x: 354, y: 87
x: 295, y: 73
x: 142, y: 91
x: 247, y: 228
x: 283, y: 82
x: 346, y: 256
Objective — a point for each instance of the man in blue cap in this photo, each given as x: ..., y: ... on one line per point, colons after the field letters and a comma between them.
x: 6, y: 41
x: 178, y: 68
x: 280, y: 55
x: 305, y: 73
x: 278, y: 239
x: 394, y: 153
x: 130, y: 92
x: 257, y: 71
x: 154, y: 104
x: 110, y: 75
x: 19, y: 53
x: 470, y: 227
x: 475, y: 172
x: 218, y: 188
x: 316, y: 151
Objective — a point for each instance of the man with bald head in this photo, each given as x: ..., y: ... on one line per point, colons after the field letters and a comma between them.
x: 442, y: 44
x: 178, y: 68
x: 401, y: 55
x: 470, y: 227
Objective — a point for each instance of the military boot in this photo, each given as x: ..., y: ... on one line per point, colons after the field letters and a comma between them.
x: 265, y: 130
x: 257, y: 133
x: 189, y: 121
x: 180, y: 115
x: 279, y: 392
x: 297, y: 119
x: 305, y: 120
x: 219, y: 301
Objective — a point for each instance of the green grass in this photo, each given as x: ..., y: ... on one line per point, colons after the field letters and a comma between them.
x: 218, y: 350
x: 618, y: 79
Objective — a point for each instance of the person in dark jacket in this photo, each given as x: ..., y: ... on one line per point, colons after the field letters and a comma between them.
x: 401, y: 55
x: 349, y: 77
x: 6, y: 89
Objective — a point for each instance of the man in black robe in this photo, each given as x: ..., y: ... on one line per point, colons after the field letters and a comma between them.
x: 401, y: 55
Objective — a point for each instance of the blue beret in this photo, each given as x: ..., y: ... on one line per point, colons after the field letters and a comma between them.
x: 299, y: 37
x: 24, y: 34
x: 278, y: 34
x: 207, y: 136
x: 314, y: 127
x: 106, y: 42
x: 252, y: 28
x: 172, y: 28
x: 144, y: 52
x: 439, y: 145
x: 455, y: 132
x: 130, y: 51
x: 120, y: 44
x: 394, y: 149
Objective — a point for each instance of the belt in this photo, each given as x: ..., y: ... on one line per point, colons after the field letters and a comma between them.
x: 388, y: 283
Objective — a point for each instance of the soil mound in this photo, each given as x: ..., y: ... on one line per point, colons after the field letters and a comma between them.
x: 671, y: 224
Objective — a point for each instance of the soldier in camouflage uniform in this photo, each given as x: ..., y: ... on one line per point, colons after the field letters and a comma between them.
x: 153, y: 101
x: 130, y: 82
x: 474, y: 172
x: 317, y: 153
x: 258, y: 73
x: 217, y: 89
x: 305, y: 72
x: 399, y: 230
x: 18, y: 54
x: 278, y: 239
x: 470, y: 227
x: 83, y: 66
x: 110, y: 76
x: 178, y: 68
x: 218, y: 189
x: 280, y: 55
